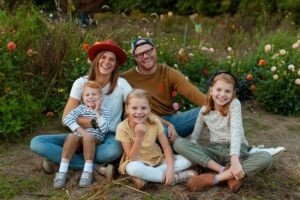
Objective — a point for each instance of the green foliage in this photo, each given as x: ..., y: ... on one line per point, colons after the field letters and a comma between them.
x: 40, y: 81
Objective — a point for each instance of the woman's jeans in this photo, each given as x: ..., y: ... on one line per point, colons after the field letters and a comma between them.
x: 183, y: 122
x: 51, y: 146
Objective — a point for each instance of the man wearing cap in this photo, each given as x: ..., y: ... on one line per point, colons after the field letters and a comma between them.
x: 161, y: 80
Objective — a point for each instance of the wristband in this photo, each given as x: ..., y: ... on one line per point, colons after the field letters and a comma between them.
x: 94, y: 124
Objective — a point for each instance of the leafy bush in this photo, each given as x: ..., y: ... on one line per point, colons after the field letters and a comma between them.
x: 279, y: 87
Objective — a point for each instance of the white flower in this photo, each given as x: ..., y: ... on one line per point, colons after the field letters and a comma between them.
x: 282, y: 52
x: 275, y: 76
x: 228, y: 57
x: 295, y: 46
x: 297, y: 81
x: 50, y: 15
x: 187, y: 78
x: 291, y: 67
x: 170, y: 14
x: 191, y: 55
x: 204, y: 49
x: 273, y: 69
x: 298, y: 72
x: 181, y: 52
x: 268, y: 48
x: 211, y: 50
x: 175, y: 65
x: 89, y: 61
x: 229, y: 49
x: 148, y: 34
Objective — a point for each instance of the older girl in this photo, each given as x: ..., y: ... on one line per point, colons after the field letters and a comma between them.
x: 228, y: 153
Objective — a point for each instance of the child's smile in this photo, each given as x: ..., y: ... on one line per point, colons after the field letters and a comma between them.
x: 138, y: 110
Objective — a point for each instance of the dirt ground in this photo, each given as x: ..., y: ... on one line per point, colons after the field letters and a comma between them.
x: 21, y: 176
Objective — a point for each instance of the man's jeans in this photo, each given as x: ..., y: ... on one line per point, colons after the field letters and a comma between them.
x: 51, y: 146
x: 183, y: 122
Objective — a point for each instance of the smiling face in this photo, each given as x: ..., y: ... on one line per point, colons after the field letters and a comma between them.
x: 138, y: 110
x: 91, y: 96
x: 107, y: 63
x: 145, y: 57
x: 222, y: 93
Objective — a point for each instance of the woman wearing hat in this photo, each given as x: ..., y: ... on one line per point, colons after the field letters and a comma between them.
x: 106, y: 57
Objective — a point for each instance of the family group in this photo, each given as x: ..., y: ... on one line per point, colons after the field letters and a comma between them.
x: 129, y: 118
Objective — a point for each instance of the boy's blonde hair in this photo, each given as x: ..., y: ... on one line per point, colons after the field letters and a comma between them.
x: 92, y: 84
x: 227, y: 77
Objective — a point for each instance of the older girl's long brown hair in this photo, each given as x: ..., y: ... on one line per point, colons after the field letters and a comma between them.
x: 94, y: 72
x: 209, y: 100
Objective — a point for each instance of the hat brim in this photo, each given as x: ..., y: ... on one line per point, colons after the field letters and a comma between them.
x: 94, y: 50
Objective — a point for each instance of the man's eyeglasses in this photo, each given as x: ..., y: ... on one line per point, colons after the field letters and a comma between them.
x: 141, y: 55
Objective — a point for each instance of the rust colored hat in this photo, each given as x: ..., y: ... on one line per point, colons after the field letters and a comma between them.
x: 107, y: 45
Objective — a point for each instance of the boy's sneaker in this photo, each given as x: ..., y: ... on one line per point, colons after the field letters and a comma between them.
x: 86, y: 179
x: 273, y: 151
x: 48, y: 166
x: 60, y: 180
x: 106, y: 170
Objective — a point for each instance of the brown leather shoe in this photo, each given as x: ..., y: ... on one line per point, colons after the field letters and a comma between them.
x: 234, y: 185
x: 138, y: 183
x: 201, y: 182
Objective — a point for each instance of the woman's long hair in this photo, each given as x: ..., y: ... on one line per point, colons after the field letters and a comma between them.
x: 94, y: 72
x: 209, y: 100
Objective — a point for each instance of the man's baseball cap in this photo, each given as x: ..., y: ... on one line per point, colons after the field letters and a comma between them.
x: 140, y: 42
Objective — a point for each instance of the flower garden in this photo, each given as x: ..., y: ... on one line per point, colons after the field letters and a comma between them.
x: 41, y: 55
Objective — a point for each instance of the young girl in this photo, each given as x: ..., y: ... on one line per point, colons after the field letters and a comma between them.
x: 143, y: 158
x: 228, y: 153
x: 85, y: 139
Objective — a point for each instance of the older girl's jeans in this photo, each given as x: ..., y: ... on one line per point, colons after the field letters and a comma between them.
x: 156, y: 174
x: 183, y: 122
x: 51, y: 146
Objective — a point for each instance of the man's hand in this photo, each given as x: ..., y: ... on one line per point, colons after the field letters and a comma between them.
x: 172, y: 134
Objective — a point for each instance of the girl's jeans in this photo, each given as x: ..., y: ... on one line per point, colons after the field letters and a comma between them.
x: 156, y: 174
x: 51, y: 146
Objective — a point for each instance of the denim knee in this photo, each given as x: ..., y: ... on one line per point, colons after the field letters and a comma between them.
x: 36, y: 144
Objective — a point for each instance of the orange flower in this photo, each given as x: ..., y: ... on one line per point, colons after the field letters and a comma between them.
x: 249, y: 77
x: 86, y: 46
x: 49, y: 114
x: 252, y: 88
x: 261, y: 62
x: 29, y: 52
x: 11, y: 46
x: 174, y: 93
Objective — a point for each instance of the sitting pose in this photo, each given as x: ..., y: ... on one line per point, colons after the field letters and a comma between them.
x: 84, y: 139
x: 143, y: 158
x: 227, y: 154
